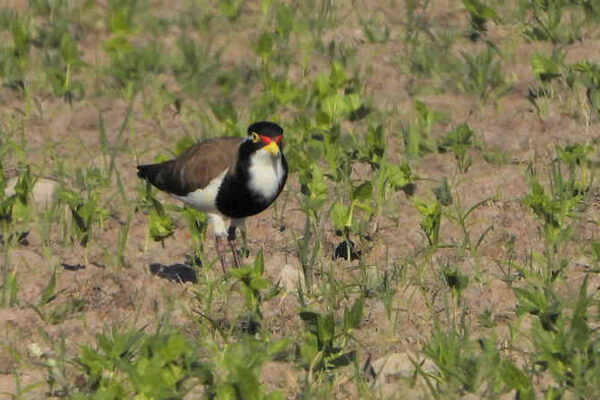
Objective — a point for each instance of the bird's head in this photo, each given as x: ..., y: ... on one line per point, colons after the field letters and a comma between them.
x: 265, y: 136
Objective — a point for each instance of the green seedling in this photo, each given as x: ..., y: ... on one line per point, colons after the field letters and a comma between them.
x: 541, y: 302
x: 231, y: 9
x: 195, y: 66
x: 61, y: 67
x: 59, y: 313
x: 596, y: 250
x: 318, y: 351
x: 565, y: 344
x: 496, y: 156
x: 458, y: 141
x: 9, y: 289
x: 456, y: 281
x: 314, y: 190
x: 432, y: 219
x: 387, y: 288
x: 16, y: 208
x: 85, y: 212
x: 197, y: 224
x: 479, y: 14
x: 372, y: 148
x: 547, y: 69
x: 460, y: 215
x: 550, y: 72
x: 544, y: 20
x: 469, y: 365
x: 374, y: 30
x: 308, y: 249
x: 343, y: 217
x: 556, y: 207
x: 129, y: 62
x: 590, y: 75
x: 443, y: 192
x: 430, y: 59
x: 452, y: 351
x: 241, y: 362
x: 517, y: 380
x: 395, y: 177
x: 417, y: 135
x: 122, y: 242
x: 139, y: 365
x: 160, y: 224
x: 225, y: 112
x: 263, y: 47
x: 14, y: 58
x: 483, y: 74
x: 252, y: 283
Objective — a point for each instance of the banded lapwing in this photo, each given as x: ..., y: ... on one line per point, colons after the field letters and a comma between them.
x: 226, y: 178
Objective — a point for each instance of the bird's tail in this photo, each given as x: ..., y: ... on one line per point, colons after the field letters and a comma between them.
x: 151, y: 172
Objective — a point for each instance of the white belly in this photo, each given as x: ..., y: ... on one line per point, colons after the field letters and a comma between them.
x: 204, y: 199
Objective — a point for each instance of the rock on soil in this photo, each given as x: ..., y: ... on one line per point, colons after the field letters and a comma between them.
x: 43, y: 192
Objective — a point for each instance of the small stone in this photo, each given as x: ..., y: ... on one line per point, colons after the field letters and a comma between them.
x: 291, y: 277
x: 399, y: 365
x: 43, y: 192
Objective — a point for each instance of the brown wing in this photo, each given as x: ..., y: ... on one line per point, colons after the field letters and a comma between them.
x: 194, y: 168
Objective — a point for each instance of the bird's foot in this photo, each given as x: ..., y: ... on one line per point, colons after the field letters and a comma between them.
x: 236, y: 256
x: 220, y: 247
x: 234, y: 252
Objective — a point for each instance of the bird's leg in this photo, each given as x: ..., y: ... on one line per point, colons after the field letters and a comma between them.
x: 231, y: 240
x: 220, y: 246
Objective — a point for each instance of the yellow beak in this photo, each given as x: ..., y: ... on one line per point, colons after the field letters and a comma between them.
x: 272, y: 148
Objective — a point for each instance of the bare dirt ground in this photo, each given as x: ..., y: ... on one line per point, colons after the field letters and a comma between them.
x: 132, y: 297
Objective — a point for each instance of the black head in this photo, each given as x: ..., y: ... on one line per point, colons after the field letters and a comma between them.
x: 264, y: 135
x: 265, y: 128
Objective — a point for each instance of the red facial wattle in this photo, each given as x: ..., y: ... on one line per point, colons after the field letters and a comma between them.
x: 266, y: 140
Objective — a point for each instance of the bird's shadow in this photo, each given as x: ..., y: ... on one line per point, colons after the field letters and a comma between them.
x: 174, y: 272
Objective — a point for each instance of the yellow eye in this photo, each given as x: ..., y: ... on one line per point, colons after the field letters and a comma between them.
x: 255, y: 137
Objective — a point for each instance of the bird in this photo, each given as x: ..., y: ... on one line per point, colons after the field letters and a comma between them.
x: 227, y: 178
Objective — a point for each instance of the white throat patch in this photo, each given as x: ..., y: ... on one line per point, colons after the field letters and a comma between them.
x: 266, y: 173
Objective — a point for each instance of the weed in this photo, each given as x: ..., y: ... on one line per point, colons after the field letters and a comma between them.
x: 479, y: 14
x: 417, y: 135
x: 483, y: 74
x: 458, y: 141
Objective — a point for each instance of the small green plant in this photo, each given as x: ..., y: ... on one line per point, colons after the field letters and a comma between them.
x: 16, y: 208
x: 252, y: 283
x: 130, y: 62
x: 318, y: 351
x: 134, y: 364
x: 564, y: 344
x: 374, y: 30
x: 313, y: 198
x: 544, y: 20
x: 85, y: 212
x: 196, y: 65
x: 62, y: 66
x: 344, y: 219
x: 197, y: 224
x: 9, y: 288
x: 458, y: 140
x: 479, y: 14
x: 590, y: 75
x: 483, y: 74
x: 160, y: 223
x: 417, y: 135
x: 432, y: 219
x: 556, y: 207
x: 14, y: 57
x: 496, y: 156
x: 231, y: 8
